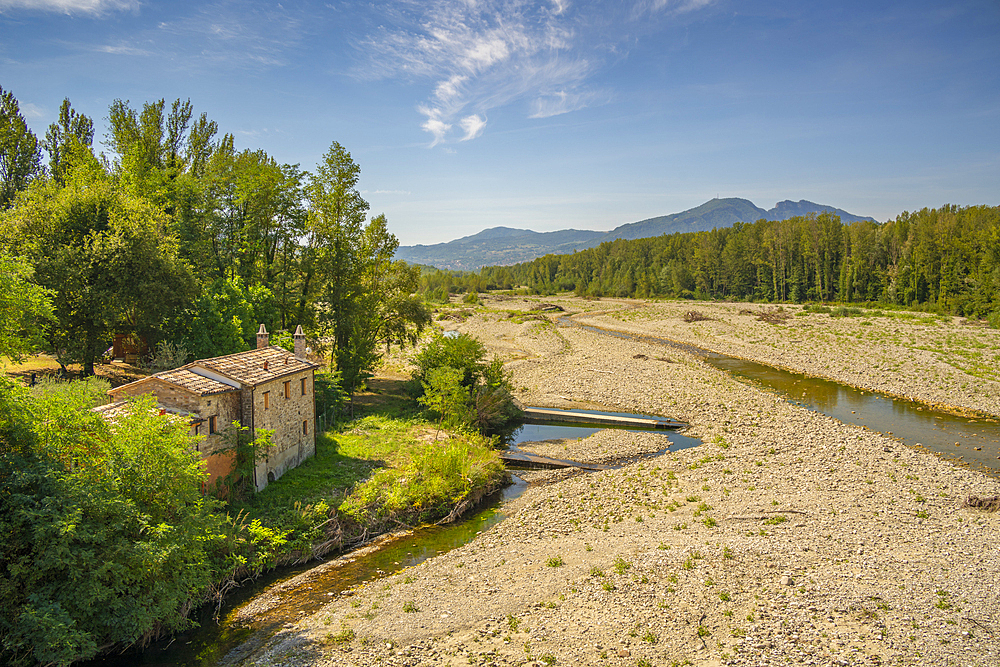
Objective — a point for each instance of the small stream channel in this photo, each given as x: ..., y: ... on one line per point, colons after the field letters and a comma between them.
x: 969, y: 440
x: 209, y: 644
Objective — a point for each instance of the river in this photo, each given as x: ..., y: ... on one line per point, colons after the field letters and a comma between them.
x: 967, y: 440
x: 972, y: 441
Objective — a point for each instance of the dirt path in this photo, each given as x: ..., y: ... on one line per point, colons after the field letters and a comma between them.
x: 787, y: 538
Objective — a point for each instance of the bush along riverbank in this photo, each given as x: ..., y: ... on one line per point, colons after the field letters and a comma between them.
x: 374, y: 474
x: 109, y: 543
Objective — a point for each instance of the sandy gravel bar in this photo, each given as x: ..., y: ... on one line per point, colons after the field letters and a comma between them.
x: 786, y: 538
x: 935, y: 359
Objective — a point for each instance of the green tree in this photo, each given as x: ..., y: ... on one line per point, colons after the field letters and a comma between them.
x: 108, y: 258
x: 226, y: 316
x: 25, y: 309
x: 20, y: 152
x: 353, y: 266
x: 464, y: 389
x: 255, y: 213
x: 65, y: 138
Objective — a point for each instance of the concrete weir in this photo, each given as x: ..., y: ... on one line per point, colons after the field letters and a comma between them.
x: 526, y: 461
x: 547, y: 415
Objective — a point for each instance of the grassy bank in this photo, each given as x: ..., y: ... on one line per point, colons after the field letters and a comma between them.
x: 387, y: 468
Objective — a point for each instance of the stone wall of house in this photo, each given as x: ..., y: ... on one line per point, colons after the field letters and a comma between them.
x: 167, y: 394
x: 226, y: 408
x: 292, y: 418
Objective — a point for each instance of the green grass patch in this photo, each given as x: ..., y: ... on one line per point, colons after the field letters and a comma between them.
x: 373, y: 473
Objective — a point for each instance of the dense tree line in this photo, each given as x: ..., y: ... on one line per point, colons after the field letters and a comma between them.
x: 945, y: 259
x: 175, y: 235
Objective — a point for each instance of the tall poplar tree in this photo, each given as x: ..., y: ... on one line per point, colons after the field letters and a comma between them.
x: 20, y: 152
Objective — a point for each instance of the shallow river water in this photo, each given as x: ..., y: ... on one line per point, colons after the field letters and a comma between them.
x: 967, y: 440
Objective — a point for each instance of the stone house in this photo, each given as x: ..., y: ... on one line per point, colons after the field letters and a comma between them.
x: 265, y: 388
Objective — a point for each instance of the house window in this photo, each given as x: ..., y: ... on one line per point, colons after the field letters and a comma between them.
x: 211, y: 424
x: 267, y: 400
x: 288, y: 388
x: 197, y: 429
x: 305, y: 427
x: 303, y: 382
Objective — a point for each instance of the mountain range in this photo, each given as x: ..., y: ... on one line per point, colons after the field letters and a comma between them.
x: 505, y: 245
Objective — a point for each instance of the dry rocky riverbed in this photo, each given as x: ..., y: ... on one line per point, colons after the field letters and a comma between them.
x: 786, y: 538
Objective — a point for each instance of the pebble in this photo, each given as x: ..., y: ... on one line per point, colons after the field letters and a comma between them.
x: 687, y: 589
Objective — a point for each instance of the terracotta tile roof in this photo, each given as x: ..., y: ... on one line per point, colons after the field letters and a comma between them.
x: 248, y: 367
x: 196, y: 384
x: 183, y: 378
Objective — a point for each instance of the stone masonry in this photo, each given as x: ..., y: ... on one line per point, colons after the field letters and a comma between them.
x: 265, y: 388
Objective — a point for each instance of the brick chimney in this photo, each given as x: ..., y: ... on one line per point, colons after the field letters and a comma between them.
x: 263, y: 339
x: 300, y: 343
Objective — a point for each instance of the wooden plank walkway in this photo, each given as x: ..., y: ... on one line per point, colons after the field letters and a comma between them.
x: 554, y: 415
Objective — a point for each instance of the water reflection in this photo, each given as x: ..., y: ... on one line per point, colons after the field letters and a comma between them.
x: 973, y: 441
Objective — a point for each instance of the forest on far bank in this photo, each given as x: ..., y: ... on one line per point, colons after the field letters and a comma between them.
x: 945, y: 259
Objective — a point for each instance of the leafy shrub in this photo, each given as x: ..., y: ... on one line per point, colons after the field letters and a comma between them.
x: 993, y: 320
x: 462, y: 352
x: 445, y: 395
x: 427, y: 485
x: 167, y: 356
x: 76, y: 395
x: 846, y: 311
x: 330, y: 393
x: 464, y: 389
x: 107, y: 537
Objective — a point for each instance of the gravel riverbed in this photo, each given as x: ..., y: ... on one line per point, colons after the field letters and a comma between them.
x: 787, y: 537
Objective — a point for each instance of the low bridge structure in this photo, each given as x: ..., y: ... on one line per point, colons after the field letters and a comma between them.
x: 550, y: 415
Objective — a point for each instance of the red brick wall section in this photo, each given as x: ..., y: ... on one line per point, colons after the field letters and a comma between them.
x: 218, y: 465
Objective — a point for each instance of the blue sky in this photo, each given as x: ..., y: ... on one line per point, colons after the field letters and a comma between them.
x: 467, y: 114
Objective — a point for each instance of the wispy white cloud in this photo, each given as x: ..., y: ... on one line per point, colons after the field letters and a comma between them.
x: 32, y: 110
x: 472, y: 126
x: 71, y: 6
x: 231, y: 33
x: 479, y: 55
x: 122, y: 50
x: 437, y: 127
x: 674, y: 6
x: 559, y: 102
x: 223, y: 35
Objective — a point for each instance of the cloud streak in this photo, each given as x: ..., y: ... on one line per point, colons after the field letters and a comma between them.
x: 94, y: 7
x: 479, y: 55
x: 237, y: 34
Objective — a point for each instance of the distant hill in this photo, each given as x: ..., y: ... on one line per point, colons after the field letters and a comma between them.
x: 504, y: 245
x: 498, y: 246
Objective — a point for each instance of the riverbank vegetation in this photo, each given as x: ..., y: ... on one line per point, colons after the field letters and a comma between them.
x: 465, y: 390
x: 109, y: 539
x: 944, y: 260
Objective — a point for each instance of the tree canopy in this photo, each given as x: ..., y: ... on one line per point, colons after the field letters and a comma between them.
x: 178, y: 236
